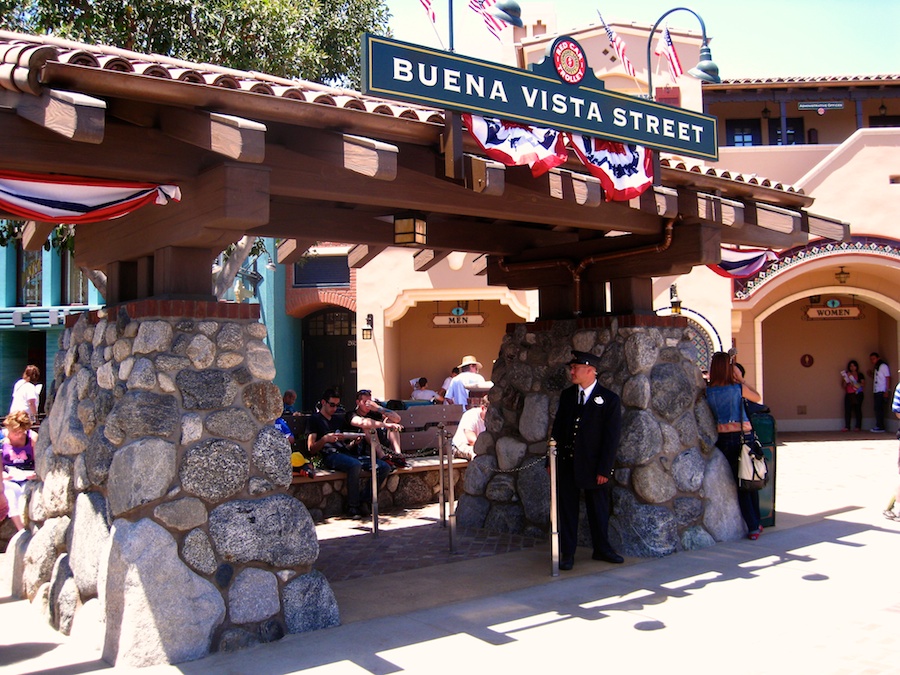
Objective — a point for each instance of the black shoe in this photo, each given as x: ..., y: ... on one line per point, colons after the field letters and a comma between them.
x: 566, y: 565
x: 611, y: 557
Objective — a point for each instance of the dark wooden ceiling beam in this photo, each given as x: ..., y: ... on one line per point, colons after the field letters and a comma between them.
x: 301, y: 176
x: 444, y: 233
x: 28, y: 147
x: 693, y: 244
x: 216, y: 209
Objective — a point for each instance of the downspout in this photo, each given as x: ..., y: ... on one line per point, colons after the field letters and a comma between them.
x: 576, y: 270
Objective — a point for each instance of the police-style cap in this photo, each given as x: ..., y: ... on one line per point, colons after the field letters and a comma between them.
x: 585, y: 359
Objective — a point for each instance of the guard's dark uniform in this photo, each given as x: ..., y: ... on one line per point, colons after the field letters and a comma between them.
x: 587, y: 438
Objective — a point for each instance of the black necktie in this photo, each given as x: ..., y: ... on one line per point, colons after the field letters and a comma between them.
x: 581, y: 397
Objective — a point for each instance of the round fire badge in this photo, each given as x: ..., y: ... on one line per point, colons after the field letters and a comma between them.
x: 568, y: 58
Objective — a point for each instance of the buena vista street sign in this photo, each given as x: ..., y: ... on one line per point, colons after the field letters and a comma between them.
x: 560, y: 92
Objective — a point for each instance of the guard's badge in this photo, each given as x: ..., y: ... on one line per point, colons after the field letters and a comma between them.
x: 598, y: 400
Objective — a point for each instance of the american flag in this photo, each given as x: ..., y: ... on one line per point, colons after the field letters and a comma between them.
x: 618, y: 46
x: 427, y: 5
x: 493, y: 24
x: 665, y: 48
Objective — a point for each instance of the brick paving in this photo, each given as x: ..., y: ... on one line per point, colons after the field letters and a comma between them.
x: 407, y: 539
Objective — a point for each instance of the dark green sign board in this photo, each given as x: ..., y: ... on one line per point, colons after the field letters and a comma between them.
x: 561, y: 92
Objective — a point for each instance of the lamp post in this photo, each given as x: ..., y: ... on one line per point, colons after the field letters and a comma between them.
x: 705, y: 69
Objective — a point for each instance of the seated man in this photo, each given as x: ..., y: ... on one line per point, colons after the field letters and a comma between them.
x: 369, y: 415
x: 470, y: 425
x: 421, y: 392
x: 339, y: 450
x: 468, y: 378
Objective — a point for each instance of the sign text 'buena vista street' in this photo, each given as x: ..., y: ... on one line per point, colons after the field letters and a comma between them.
x: 538, y: 97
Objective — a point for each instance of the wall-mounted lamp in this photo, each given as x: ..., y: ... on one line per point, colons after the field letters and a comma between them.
x: 674, y: 300
x: 882, y: 109
x: 409, y: 230
x: 367, y: 329
x: 766, y: 113
x: 842, y: 276
x: 271, y: 264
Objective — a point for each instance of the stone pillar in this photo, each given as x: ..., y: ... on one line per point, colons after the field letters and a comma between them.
x: 673, y: 489
x: 162, y: 494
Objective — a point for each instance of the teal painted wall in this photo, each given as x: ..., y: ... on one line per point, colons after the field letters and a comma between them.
x: 283, y: 330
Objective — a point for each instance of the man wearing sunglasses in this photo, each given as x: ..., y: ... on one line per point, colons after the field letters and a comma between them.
x: 339, y: 448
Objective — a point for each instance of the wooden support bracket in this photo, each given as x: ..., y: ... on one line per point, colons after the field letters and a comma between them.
x: 234, y: 137
x: 75, y: 116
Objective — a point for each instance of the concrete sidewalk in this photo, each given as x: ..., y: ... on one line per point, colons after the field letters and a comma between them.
x: 816, y: 593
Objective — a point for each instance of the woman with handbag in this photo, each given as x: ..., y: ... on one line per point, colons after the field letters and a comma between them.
x: 725, y: 394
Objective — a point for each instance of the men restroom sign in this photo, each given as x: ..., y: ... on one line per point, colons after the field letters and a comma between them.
x: 561, y: 93
x: 457, y: 320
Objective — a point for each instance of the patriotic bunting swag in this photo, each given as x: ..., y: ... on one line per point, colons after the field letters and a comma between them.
x: 625, y: 171
x: 739, y: 264
x: 517, y: 144
x: 73, y: 199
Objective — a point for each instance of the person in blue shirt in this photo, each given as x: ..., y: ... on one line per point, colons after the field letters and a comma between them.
x: 725, y: 394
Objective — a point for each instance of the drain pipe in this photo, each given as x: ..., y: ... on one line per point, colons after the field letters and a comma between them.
x: 576, y: 270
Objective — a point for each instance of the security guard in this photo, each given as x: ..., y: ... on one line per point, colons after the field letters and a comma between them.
x: 587, y: 427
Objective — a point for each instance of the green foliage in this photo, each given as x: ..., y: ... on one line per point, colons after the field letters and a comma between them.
x: 315, y: 40
x: 62, y: 238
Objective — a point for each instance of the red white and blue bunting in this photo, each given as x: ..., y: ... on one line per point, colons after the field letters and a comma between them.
x: 624, y: 171
x: 74, y: 199
x: 516, y: 144
x: 739, y: 264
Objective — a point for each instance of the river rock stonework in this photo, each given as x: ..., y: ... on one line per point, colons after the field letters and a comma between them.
x: 163, y: 488
x: 672, y: 487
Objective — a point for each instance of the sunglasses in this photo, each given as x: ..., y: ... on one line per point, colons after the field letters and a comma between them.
x: 332, y: 403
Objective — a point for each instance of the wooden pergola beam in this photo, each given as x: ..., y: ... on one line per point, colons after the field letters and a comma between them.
x: 361, y: 155
x: 74, y: 116
x: 35, y: 233
x: 227, y: 135
x: 216, y: 209
x: 427, y: 258
x: 362, y: 254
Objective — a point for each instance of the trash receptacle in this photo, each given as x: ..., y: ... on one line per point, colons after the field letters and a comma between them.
x: 766, y: 432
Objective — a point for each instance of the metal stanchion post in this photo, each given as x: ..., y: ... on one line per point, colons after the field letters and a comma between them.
x: 443, y: 497
x: 451, y: 508
x: 554, y: 516
x: 373, y: 443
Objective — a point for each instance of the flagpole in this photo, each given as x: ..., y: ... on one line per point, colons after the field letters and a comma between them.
x: 450, y: 16
x: 634, y: 77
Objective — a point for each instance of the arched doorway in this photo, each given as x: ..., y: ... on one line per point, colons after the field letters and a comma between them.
x: 329, y: 354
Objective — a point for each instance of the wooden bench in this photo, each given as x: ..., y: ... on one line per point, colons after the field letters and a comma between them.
x: 421, y: 425
x: 325, y: 494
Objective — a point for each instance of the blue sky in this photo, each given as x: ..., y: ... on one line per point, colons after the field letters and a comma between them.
x: 748, y: 39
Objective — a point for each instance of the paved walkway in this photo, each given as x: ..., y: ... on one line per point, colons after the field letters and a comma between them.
x: 816, y: 594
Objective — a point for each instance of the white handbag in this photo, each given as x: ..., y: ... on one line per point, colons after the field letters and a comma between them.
x: 753, y: 472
